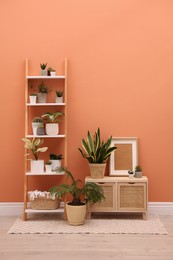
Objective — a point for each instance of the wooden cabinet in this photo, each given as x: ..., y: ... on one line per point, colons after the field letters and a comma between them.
x: 122, y: 194
x: 55, y: 142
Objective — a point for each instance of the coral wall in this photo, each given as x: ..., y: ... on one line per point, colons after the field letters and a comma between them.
x: 119, y: 78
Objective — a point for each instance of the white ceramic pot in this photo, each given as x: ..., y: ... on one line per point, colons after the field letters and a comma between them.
x: 37, y: 166
x: 76, y: 214
x: 52, y: 128
x: 55, y: 164
x: 43, y: 72
x: 42, y: 97
x: 53, y: 73
x: 59, y: 99
x: 32, y: 99
x: 48, y: 168
x: 35, y: 127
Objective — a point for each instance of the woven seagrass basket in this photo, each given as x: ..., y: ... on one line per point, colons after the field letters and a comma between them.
x: 44, y: 203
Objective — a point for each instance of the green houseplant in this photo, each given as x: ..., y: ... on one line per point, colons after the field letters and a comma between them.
x: 55, y: 160
x: 52, y: 126
x: 138, y: 171
x: 34, y: 146
x: 97, y: 152
x: 59, y: 96
x: 81, y: 195
x: 48, y: 166
x: 43, y: 90
x: 51, y: 72
x: 43, y: 69
x: 36, y: 123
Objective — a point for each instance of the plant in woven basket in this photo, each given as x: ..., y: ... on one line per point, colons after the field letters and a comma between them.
x: 97, y: 152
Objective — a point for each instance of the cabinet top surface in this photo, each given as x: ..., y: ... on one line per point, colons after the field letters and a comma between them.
x: 115, y: 179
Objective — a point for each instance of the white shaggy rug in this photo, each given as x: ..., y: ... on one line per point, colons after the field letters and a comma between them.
x: 98, y: 224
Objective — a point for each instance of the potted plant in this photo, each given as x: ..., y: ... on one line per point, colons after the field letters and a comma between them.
x: 51, y: 72
x: 33, y: 98
x: 131, y: 174
x: 43, y: 69
x: 48, y: 166
x: 37, y: 166
x: 40, y: 129
x: 81, y: 194
x: 138, y: 171
x: 43, y: 90
x: 55, y: 159
x: 97, y: 153
x: 59, y: 96
x: 35, y: 124
x: 52, y: 126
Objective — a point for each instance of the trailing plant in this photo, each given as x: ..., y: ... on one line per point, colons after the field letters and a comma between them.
x: 95, y: 150
x: 138, y: 168
x: 59, y: 93
x: 42, y: 88
x: 43, y: 66
x: 52, y: 117
x: 88, y: 192
x: 33, y: 145
x: 55, y: 156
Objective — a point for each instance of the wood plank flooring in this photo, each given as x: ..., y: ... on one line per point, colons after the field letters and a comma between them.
x: 84, y: 247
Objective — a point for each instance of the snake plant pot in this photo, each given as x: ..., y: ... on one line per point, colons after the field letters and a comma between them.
x: 138, y: 174
x: 33, y: 99
x: 37, y: 166
x: 55, y: 164
x: 59, y: 99
x: 75, y: 214
x: 48, y: 168
x: 52, y: 128
x: 42, y: 97
x: 43, y: 72
x: 97, y: 170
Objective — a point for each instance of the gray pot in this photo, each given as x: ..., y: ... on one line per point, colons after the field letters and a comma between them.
x: 138, y: 174
x: 42, y: 97
x: 40, y: 131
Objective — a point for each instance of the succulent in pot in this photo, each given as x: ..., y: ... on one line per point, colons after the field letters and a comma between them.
x: 43, y: 69
x: 52, y: 119
x: 81, y: 194
x: 138, y: 171
x: 48, y: 166
x: 51, y: 72
x: 33, y: 98
x: 97, y: 152
x: 55, y: 160
x: 35, y: 124
x: 59, y: 96
x: 34, y: 146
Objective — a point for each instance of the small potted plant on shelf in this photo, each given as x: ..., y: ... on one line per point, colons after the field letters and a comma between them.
x: 81, y: 194
x: 55, y: 159
x: 35, y: 124
x: 43, y: 69
x: 37, y: 166
x: 43, y: 90
x: 131, y: 174
x: 52, y: 119
x: 138, y: 171
x: 97, y: 152
x: 51, y: 72
x: 48, y: 166
x: 33, y: 98
x: 59, y: 96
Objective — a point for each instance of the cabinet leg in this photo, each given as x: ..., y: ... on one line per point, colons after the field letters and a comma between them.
x: 144, y: 216
x: 24, y: 216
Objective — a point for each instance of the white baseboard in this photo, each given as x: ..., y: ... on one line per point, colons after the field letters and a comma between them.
x: 16, y: 208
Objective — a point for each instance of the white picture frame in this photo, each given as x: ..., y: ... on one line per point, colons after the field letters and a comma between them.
x: 125, y: 157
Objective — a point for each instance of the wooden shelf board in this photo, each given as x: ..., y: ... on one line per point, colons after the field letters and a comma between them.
x: 45, y: 104
x: 45, y: 77
x: 45, y: 174
x: 59, y: 210
x: 45, y: 136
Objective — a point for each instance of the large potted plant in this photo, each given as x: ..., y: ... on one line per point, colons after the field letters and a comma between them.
x: 37, y: 166
x: 97, y: 153
x: 81, y: 194
x: 51, y: 119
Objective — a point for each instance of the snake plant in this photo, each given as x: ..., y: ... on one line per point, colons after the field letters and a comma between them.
x: 95, y: 150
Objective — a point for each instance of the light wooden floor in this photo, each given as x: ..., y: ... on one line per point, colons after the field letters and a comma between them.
x: 82, y: 247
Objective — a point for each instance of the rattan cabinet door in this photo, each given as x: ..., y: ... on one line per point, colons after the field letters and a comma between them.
x: 131, y: 197
x: 107, y: 204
